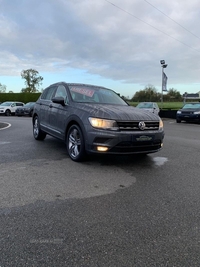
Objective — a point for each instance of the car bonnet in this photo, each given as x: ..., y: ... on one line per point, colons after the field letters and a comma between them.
x: 117, y: 112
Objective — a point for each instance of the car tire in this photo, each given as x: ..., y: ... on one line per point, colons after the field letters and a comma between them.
x: 37, y: 132
x: 75, y: 143
x: 178, y: 120
x: 8, y: 112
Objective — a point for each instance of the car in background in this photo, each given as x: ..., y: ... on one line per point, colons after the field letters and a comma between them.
x: 149, y: 106
x: 92, y: 119
x: 26, y: 110
x: 190, y: 112
x: 8, y: 108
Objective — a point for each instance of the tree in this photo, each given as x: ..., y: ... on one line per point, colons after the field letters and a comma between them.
x: 173, y: 95
x: 148, y: 94
x: 2, y: 88
x: 32, y: 81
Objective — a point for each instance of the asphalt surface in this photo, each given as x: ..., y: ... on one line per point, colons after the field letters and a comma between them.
x: 108, y: 211
x: 3, y: 125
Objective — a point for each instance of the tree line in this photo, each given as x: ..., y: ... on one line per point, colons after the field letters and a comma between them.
x: 33, y: 81
x: 149, y: 93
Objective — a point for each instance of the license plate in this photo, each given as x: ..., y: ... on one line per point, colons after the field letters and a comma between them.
x: 143, y: 138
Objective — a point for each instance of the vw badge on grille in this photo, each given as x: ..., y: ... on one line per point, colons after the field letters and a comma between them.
x: 141, y: 125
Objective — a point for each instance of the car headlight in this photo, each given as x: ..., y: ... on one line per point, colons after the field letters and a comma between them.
x: 104, y: 124
x: 160, y: 125
x: 197, y: 112
x: 178, y: 112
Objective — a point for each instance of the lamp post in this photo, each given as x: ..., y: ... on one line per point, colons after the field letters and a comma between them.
x: 163, y: 65
x: 185, y: 97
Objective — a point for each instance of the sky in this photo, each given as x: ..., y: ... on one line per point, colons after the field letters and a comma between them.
x: 113, y: 43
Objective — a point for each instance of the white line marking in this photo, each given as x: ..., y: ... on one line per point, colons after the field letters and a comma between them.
x: 8, y: 125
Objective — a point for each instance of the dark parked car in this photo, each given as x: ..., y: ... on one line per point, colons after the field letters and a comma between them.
x: 190, y: 112
x: 94, y: 119
x: 26, y: 110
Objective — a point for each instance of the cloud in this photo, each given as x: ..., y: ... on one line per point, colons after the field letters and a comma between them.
x: 120, y: 41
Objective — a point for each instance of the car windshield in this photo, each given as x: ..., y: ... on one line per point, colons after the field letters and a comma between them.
x: 87, y: 94
x: 29, y: 104
x: 6, y: 104
x: 191, y: 105
x: 145, y: 105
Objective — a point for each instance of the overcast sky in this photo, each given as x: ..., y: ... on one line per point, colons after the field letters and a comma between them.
x: 117, y: 44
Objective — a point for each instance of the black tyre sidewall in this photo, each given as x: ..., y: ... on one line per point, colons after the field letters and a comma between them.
x: 41, y: 135
x: 7, y: 112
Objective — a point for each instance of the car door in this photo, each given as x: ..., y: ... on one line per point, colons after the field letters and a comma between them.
x: 13, y: 107
x: 59, y: 113
x: 44, y: 107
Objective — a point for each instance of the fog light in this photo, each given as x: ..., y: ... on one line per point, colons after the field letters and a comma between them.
x: 102, y: 148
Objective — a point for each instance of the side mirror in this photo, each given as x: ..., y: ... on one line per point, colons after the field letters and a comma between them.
x: 58, y: 100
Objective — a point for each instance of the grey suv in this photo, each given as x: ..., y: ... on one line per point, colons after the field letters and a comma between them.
x: 94, y: 119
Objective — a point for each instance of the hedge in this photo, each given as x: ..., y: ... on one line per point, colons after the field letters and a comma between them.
x: 21, y: 97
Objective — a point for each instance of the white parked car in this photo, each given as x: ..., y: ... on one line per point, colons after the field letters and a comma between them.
x: 149, y: 106
x: 8, y: 108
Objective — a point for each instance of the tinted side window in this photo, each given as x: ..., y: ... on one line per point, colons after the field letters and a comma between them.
x: 48, y: 93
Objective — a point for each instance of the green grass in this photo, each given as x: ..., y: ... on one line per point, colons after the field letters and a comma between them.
x: 164, y: 105
x: 171, y: 105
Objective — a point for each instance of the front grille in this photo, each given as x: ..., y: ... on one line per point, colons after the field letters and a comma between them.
x: 101, y: 140
x: 187, y: 112
x: 133, y: 125
x: 135, y: 147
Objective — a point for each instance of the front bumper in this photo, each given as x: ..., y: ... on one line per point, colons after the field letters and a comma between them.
x: 188, y: 117
x: 19, y: 113
x: 125, y: 142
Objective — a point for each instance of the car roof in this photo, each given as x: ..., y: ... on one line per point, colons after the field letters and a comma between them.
x: 147, y: 102
x: 12, y: 102
x: 78, y: 84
